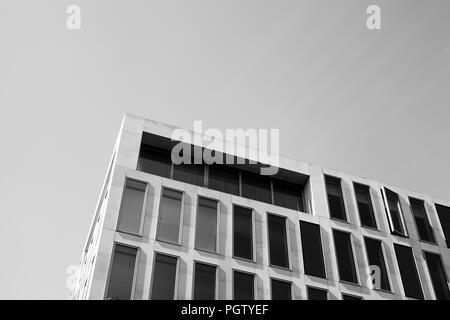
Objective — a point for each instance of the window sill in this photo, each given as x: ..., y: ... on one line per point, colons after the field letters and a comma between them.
x: 206, y: 251
x: 129, y: 233
x: 280, y: 268
x: 169, y: 242
x: 244, y: 259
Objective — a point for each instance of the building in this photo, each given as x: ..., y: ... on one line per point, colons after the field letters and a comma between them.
x: 162, y: 231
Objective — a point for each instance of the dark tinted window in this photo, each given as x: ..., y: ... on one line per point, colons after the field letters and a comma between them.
x: 155, y: 161
x: 420, y: 217
x: 122, y: 273
x: 438, y: 276
x: 164, y: 276
x: 206, y: 225
x: 344, y: 254
x: 288, y: 195
x: 169, y: 216
x: 365, y: 208
x: 204, y: 282
x: 281, y: 290
x: 408, y: 271
x: 223, y: 178
x: 132, y: 206
x: 350, y: 297
x: 189, y: 173
x: 393, y: 209
x: 243, y: 286
x: 375, y: 257
x: 444, y: 217
x: 256, y: 187
x: 335, y: 198
x: 312, y: 249
x: 242, y: 233
x: 317, y: 294
x: 278, y: 241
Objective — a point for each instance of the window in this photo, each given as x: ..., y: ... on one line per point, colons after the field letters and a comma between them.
x: 288, y: 195
x: 312, y: 249
x: 420, y: 217
x: 189, y: 173
x: 394, y: 212
x: 365, y: 208
x: 408, y: 272
x: 317, y: 294
x: 437, y: 275
x: 243, y: 286
x: 154, y: 161
x: 256, y: 187
x: 242, y: 233
x: 204, y: 282
x: 132, y: 207
x: 169, y: 218
x: 350, y: 297
x: 444, y: 217
x: 121, y: 277
x: 344, y: 254
x: 335, y: 198
x: 281, y: 290
x: 223, y: 178
x: 375, y: 257
x: 164, y: 277
x: 206, y: 228
x: 278, y: 247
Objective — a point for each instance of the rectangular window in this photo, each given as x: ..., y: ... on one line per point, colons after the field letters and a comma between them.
x: 317, y: 294
x: 189, y: 173
x: 223, y: 179
x: 344, y: 254
x: 256, y: 187
x: 288, y: 195
x: 204, y: 282
x: 375, y: 257
x: 438, y: 276
x: 242, y: 233
x: 444, y: 218
x: 132, y: 207
x: 420, y: 217
x: 335, y: 198
x: 394, y: 212
x: 278, y: 246
x: 350, y: 297
x: 206, y: 227
x: 408, y: 271
x: 169, y: 218
x: 312, y: 249
x: 164, y: 277
x: 121, y: 277
x: 154, y: 161
x: 365, y: 208
x: 243, y: 286
x: 281, y: 290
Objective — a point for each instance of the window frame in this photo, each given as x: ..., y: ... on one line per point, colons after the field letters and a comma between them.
x: 316, y: 288
x: 216, y: 249
x: 233, y: 270
x: 180, y: 227
x: 416, y: 269
x: 144, y: 206
x: 253, y: 233
x: 427, y: 216
x: 291, y: 284
x: 343, y: 200
x: 355, y: 261
x: 216, y: 283
x: 389, y: 214
x: 424, y: 252
x: 386, y: 265
x: 177, y: 271
x: 288, y: 246
x: 375, y: 218
x: 321, y: 250
x: 136, y: 265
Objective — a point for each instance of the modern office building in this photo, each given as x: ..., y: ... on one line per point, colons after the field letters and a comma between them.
x: 223, y: 231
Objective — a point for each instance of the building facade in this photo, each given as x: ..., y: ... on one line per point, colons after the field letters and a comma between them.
x: 166, y: 231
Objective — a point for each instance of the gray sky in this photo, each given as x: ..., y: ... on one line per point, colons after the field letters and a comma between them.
x: 372, y: 103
